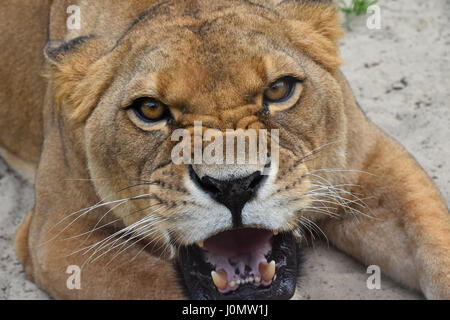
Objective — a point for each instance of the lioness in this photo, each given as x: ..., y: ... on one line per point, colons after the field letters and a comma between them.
x: 98, y: 133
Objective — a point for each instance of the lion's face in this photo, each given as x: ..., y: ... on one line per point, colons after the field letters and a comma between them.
x: 239, y: 67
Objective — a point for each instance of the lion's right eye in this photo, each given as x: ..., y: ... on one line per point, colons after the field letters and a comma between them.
x: 150, y: 110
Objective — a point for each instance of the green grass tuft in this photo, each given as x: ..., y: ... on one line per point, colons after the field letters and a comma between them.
x: 357, y: 7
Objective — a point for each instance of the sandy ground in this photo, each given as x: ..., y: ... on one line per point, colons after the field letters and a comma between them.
x: 401, y: 77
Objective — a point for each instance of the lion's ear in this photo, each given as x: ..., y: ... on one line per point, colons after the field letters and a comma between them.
x: 76, y: 73
x: 51, y: 47
x: 55, y: 50
x: 314, y: 26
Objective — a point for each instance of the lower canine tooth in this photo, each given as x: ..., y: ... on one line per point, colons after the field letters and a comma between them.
x: 220, y: 279
x: 267, y: 270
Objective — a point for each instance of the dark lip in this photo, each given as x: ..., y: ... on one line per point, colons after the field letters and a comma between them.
x: 195, y: 278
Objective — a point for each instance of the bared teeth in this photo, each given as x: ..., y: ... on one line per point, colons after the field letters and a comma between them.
x: 275, y: 233
x: 267, y: 270
x: 201, y: 244
x: 220, y: 279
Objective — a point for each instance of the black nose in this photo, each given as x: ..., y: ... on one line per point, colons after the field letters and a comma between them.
x: 233, y: 194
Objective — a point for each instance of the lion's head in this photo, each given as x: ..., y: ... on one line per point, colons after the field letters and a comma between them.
x: 123, y: 91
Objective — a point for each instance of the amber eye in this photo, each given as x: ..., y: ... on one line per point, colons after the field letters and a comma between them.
x: 280, y: 90
x: 151, y: 110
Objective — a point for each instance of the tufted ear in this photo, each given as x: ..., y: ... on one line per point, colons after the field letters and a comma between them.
x: 77, y: 74
x: 314, y: 27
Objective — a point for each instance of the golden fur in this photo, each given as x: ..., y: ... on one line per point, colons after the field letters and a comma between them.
x: 208, y: 61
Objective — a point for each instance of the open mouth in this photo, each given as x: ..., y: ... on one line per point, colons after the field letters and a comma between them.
x: 245, y: 263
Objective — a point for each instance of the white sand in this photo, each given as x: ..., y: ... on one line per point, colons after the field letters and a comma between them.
x: 413, y: 45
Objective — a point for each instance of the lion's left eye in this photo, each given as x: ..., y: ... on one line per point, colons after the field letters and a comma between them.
x: 282, y: 94
x: 281, y: 90
x: 150, y: 110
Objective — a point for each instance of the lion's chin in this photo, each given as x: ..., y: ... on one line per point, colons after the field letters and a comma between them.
x: 245, y: 263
